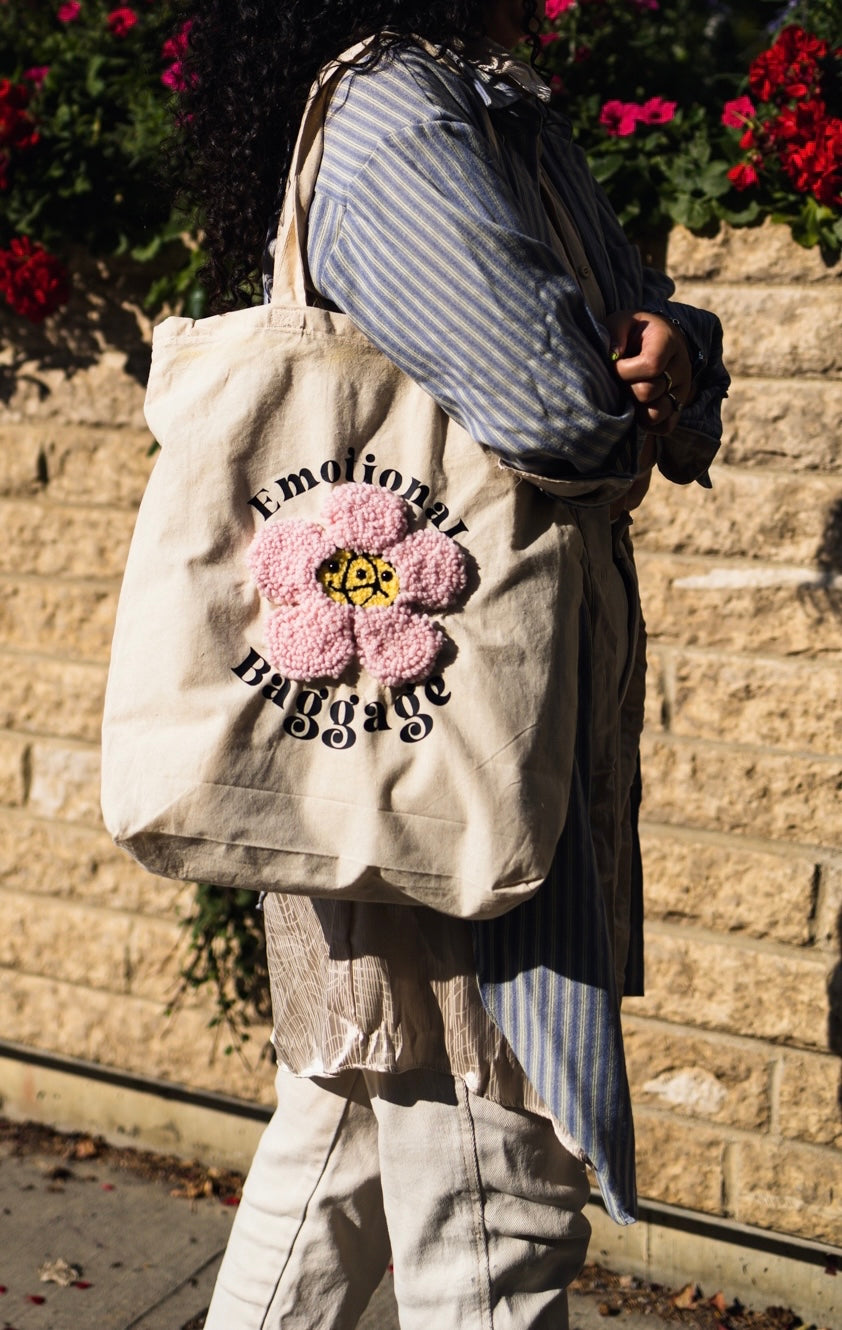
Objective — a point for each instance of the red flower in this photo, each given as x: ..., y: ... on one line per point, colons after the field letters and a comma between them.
x: 36, y: 75
x: 121, y: 21
x: 736, y: 112
x: 808, y: 143
x: 17, y: 130
x: 175, y: 47
x: 33, y: 282
x: 656, y: 111
x: 619, y: 118
x: 69, y: 11
x: 174, y: 77
x: 743, y: 176
x: 789, y: 69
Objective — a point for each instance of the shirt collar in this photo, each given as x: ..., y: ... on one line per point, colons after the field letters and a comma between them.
x: 503, y: 79
x: 499, y: 77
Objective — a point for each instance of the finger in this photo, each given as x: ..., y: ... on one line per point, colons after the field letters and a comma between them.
x: 648, y: 391
x: 664, y: 385
x: 618, y: 329
x: 663, y: 411
x: 618, y: 342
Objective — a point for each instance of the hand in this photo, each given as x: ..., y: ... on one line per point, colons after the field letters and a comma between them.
x: 650, y: 356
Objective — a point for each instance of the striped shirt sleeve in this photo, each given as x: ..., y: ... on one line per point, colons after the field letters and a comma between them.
x: 430, y: 251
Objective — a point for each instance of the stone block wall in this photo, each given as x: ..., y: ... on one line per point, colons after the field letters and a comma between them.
x: 90, y: 944
x: 734, y: 1053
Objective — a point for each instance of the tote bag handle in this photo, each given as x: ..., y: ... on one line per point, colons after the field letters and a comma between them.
x: 291, y: 275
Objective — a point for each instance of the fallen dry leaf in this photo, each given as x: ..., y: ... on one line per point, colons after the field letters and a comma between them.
x: 59, y: 1272
x: 86, y: 1148
x: 193, y: 1190
x: 687, y: 1297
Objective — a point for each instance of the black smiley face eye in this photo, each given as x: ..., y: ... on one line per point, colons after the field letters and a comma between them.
x: 386, y: 576
x: 333, y: 566
x: 360, y: 574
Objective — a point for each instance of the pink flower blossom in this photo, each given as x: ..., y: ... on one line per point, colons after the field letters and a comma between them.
x: 656, y: 111
x: 642, y: 5
x: 619, y: 119
x: 547, y: 38
x: 36, y: 75
x: 121, y: 21
x: 622, y: 118
x: 174, y: 77
x: 175, y: 46
x: 69, y: 11
x: 554, y: 8
x: 354, y: 587
x: 736, y: 112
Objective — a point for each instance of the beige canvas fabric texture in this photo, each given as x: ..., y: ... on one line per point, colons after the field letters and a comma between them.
x: 451, y: 792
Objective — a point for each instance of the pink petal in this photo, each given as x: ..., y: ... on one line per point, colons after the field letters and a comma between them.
x: 313, y: 640
x: 430, y: 568
x: 365, y: 518
x: 284, y: 557
x: 397, y: 645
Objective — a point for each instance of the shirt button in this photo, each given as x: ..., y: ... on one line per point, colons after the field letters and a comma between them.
x: 584, y: 271
x: 472, y: 1081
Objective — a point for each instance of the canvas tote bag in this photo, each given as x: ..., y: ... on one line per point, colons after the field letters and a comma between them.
x: 345, y: 651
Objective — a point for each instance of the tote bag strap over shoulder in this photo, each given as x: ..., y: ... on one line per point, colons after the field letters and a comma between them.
x: 291, y: 275
x: 291, y: 282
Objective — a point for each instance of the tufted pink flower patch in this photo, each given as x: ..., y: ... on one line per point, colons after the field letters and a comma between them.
x: 356, y: 587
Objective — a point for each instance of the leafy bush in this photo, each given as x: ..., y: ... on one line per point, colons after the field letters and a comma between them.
x: 677, y: 138
x: 675, y: 102
x: 85, y: 94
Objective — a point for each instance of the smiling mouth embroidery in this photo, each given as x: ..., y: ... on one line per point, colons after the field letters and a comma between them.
x: 359, y: 579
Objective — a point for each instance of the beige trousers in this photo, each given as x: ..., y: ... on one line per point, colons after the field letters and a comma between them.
x: 479, y: 1207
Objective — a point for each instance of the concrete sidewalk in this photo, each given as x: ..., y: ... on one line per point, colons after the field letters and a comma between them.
x: 98, y: 1238
x: 132, y: 1255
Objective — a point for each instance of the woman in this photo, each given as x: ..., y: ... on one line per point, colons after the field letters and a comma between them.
x: 449, y: 1081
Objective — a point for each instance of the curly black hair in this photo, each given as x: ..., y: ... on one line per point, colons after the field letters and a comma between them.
x: 248, y: 68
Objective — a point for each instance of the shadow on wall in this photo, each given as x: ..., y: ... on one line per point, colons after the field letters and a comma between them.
x: 825, y: 593
x: 834, y: 1006
x: 829, y: 596
x: 105, y: 313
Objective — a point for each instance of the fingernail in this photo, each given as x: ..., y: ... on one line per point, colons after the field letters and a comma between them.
x: 615, y: 353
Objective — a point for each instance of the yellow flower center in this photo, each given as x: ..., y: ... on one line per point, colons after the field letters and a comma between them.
x: 358, y: 579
